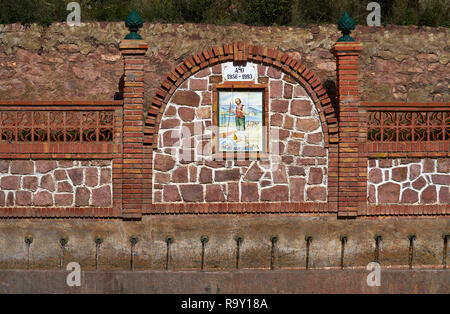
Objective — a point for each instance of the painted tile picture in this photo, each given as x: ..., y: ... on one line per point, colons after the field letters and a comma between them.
x: 241, y: 121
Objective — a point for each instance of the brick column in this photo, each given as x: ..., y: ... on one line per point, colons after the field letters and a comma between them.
x: 352, y: 187
x: 133, y: 51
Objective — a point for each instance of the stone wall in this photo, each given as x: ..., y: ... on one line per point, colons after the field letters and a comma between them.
x: 220, y: 252
x: 241, y: 282
x: 59, y: 183
x: 295, y: 170
x: 409, y: 181
x: 404, y: 63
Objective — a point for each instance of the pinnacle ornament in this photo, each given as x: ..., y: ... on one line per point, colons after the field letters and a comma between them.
x: 346, y: 25
x: 133, y: 22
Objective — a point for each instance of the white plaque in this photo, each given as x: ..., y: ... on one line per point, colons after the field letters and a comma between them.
x: 239, y: 73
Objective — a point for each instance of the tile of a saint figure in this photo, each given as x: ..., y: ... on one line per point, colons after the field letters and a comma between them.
x: 241, y: 121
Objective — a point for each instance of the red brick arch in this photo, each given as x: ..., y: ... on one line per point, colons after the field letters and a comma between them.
x: 241, y: 51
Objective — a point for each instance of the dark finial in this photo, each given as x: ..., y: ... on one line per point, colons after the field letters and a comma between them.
x: 346, y: 25
x: 133, y: 22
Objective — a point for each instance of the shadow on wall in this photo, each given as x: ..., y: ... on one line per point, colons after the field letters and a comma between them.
x: 330, y: 87
x: 119, y: 95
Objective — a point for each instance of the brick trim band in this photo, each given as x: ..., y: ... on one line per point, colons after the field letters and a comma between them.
x: 240, y: 208
x: 406, y: 210
x: 58, y: 212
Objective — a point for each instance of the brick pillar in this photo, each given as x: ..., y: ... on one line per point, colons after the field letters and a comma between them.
x: 352, y: 187
x: 133, y: 52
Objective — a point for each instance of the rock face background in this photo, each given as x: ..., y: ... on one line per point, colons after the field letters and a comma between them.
x: 404, y: 63
x: 295, y: 170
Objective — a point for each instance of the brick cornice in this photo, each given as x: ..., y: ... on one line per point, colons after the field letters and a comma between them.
x: 347, y: 48
x: 133, y: 47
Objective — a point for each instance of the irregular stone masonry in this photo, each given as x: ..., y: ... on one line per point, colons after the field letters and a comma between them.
x: 33, y: 58
x: 62, y: 183
x: 409, y: 181
x: 295, y: 171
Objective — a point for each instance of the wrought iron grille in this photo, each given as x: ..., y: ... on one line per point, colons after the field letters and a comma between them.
x: 408, y: 126
x: 56, y: 126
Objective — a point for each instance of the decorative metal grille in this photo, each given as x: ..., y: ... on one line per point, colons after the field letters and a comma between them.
x: 56, y: 126
x: 409, y: 126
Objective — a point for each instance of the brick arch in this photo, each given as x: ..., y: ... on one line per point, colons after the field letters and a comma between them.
x: 241, y: 51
